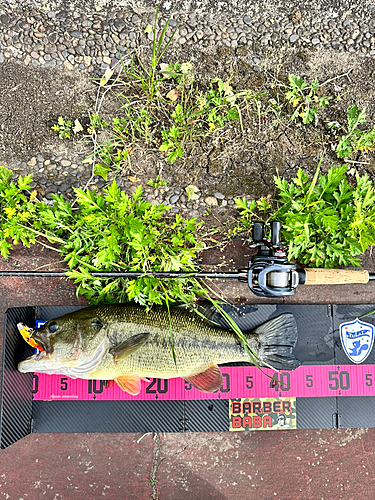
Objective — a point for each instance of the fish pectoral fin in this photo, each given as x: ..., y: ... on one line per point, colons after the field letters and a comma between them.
x: 129, y: 383
x: 130, y: 345
x: 209, y: 380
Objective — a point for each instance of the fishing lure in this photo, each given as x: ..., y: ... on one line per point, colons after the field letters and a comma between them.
x: 26, y: 333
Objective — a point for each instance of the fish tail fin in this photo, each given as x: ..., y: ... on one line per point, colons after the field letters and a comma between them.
x: 277, y: 338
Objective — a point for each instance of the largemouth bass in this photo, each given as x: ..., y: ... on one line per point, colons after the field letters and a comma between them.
x: 127, y: 344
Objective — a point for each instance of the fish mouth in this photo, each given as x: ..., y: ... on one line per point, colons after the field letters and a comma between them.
x: 45, y: 362
x: 42, y: 339
x: 28, y: 364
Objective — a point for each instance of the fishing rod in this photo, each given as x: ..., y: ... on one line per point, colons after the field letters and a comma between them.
x: 269, y: 274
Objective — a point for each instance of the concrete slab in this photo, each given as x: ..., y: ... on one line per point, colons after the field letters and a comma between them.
x: 295, y: 465
x: 77, y: 466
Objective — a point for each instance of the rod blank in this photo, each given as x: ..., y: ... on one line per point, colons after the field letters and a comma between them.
x: 53, y: 274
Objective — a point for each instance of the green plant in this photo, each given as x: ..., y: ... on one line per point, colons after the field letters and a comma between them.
x: 157, y: 183
x: 306, y: 103
x: 106, y: 232
x: 148, y: 77
x: 326, y: 222
x: 198, y: 115
x: 171, y: 143
x: 63, y: 127
x: 218, y: 105
x: 354, y: 139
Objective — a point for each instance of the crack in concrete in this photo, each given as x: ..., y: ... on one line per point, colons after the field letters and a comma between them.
x: 179, y: 452
x: 155, y: 466
x: 156, y: 463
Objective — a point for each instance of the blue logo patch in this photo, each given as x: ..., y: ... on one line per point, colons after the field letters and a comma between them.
x: 357, y: 338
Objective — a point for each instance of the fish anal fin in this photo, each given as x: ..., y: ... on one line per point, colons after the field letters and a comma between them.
x: 209, y: 380
x: 129, y: 383
x: 129, y: 346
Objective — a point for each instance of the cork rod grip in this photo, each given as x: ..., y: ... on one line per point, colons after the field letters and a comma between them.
x: 335, y: 276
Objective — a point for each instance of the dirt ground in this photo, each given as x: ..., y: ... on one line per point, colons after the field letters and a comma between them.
x: 231, y: 161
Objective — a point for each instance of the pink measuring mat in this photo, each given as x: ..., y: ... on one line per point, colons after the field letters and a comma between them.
x: 239, y: 382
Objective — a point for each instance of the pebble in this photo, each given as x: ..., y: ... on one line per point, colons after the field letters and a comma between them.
x: 32, y: 162
x: 294, y: 38
x: 219, y: 196
x: 210, y: 200
x: 173, y: 199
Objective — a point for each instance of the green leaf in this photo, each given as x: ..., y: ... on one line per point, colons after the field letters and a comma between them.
x: 233, y: 114
x: 355, y: 116
x: 24, y: 182
x: 323, y: 101
x: 138, y: 193
x: 314, y: 85
x: 308, y: 115
x: 301, y: 178
x: 344, y: 148
x: 172, y: 156
x: 165, y: 146
x: 296, y: 82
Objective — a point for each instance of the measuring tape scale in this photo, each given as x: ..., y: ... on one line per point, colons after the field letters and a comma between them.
x: 239, y: 382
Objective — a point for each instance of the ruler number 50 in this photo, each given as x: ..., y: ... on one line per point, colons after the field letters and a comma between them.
x: 339, y: 380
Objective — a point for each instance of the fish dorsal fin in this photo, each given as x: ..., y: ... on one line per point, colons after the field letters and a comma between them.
x: 209, y: 380
x: 129, y: 346
x: 204, y: 309
x: 129, y: 383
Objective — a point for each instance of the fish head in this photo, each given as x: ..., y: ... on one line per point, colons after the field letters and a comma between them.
x: 74, y: 344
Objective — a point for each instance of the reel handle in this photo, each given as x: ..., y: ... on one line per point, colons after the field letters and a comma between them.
x: 335, y: 276
x: 275, y: 233
x: 258, y: 232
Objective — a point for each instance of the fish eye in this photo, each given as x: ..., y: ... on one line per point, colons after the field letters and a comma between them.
x: 97, y: 323
x: 53, y: 327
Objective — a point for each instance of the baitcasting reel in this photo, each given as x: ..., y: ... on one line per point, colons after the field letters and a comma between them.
x: 270, y: 274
